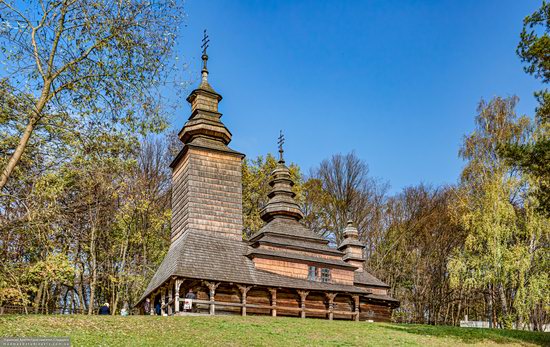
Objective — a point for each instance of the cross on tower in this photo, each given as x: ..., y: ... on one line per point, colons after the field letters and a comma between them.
x: 281, y: 143
x: 204, y: 46
x: 349, y: 215
x: 205, y: 41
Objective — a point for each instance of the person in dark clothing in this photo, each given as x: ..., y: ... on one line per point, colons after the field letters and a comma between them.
x: 104, y: 310
x: 157, y: 309
x: 190, y: 295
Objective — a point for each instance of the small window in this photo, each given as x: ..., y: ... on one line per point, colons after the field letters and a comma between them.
x: 325, y: 275
x: 312, y: 272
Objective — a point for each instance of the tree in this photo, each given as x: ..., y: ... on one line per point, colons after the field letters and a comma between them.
x: 506, y: 246
x: 412, y: 255
x: 256, y: 176
x: 340, y: 186
x: 534, y: 157
x: 96, y: 61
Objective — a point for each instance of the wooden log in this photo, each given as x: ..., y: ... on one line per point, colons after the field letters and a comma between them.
x: 273, y: 292
x: 330, y: 298
x: 258, y: 296
x: 375, y: 312
x: 177, y: 285
x: 162, y: 301
x: 244, y: 290
x: 356, y: 307
x: 212, y: 288
x: 303, y: 295
x: 170, y: 298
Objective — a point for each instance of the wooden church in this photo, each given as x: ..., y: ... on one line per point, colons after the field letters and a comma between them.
x: 284, y: 269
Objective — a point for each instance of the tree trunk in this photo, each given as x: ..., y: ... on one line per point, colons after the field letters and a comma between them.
x: 504, y: 305
x: 38, y: 298
x: 94, y: 271
x: 34, y: 116
x: 490, y: 307
x: 80, y: 292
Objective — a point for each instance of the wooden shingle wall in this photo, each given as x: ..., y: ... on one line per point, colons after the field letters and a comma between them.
x: 287, y: 250
x: 300, y: 270
x: 207, y: 194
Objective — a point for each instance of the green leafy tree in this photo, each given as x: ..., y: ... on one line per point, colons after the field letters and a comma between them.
x: 97, y: 61
x: 505, y: 240
x: 534, y: 157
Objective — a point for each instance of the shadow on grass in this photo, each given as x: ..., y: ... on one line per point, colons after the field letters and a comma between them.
x: 473, y: 335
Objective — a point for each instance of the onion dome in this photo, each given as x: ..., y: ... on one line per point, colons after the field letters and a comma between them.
x: 281, y: 202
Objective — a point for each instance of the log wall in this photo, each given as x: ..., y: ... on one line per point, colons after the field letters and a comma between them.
x: 288, y: 303
x: 374, y: 312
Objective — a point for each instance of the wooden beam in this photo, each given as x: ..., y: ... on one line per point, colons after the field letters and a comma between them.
x: 356, y: 307
x: 177, y: 285
x: 330, y: 298
x: 151, y: 305
x: 170, y: 297
x: 162, y: 300
x: 244, y: 290
x: 283, y: 308
x: 303, y: 295
x: 212, y: 288
x: 273, y: 292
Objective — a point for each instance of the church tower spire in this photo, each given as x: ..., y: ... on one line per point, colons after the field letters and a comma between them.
x: 351, y: 246
x: 281, y: 202
x: 206, y: 174
x: 204, y: 126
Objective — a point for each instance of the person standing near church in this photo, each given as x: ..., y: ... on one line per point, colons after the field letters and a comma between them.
x: 190, y: 296
x: 104, y: 310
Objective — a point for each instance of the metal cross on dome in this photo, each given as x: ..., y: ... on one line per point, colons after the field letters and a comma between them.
x: 205, y: 41
x: 281, y: 143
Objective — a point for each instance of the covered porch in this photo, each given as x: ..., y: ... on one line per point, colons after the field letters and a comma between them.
x: 227, y: 298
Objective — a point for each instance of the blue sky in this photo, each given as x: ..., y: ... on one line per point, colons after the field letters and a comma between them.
x: 398, y: 82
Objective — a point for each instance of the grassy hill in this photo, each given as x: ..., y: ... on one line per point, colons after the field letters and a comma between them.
x: 253, y: 331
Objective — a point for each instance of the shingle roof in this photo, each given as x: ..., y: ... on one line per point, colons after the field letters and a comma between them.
x: 289, y: 228
x: 352, y: 257
x: 292, y: 243
x: 206, y: 257
x: 363, y: 277
x: 351, y: 241
x: 296, y: 256
x: 382, y: 297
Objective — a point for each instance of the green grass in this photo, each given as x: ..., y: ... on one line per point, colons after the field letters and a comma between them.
x: 253, y: 331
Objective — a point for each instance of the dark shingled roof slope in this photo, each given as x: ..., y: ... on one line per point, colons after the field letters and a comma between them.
x: 382, y: 297
x: 206, y: 257
x: 289, y: 228
x: 365, y: 278
x: 291, y: 243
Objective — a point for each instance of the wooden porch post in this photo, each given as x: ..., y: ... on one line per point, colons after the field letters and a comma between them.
x: 212, y: 287
x: 177, y: 285
x: 303, y: 294
x: 273, y: 292
x: 356, y: 303
x: 162, y: 301
x: 244, y: 290
x: 330, y: 298
x: 170, y: 298
x: 152, y: 305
